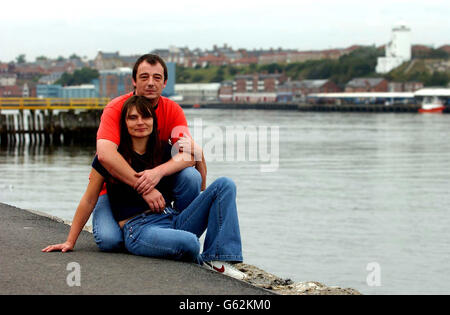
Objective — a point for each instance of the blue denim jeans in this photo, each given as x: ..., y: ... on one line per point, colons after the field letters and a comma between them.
x: 174, y: 235
x: 107, y: 233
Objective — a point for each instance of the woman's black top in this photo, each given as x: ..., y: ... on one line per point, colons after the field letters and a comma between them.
x: 125, y: 201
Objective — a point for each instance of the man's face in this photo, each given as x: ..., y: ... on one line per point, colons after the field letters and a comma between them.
x: 150, y: 80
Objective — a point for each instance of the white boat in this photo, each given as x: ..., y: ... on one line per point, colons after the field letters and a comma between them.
x: 432, y: 104
x: 434, y: 99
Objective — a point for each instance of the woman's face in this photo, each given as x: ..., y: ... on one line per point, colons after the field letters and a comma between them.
x: 137, y: 125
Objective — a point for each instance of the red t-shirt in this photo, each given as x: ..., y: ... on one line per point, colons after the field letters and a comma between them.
x: 171, y: 121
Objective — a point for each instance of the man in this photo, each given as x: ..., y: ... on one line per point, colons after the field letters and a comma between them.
x: 149, y: 79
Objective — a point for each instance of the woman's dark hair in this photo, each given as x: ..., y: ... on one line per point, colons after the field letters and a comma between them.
x: 153, y: 155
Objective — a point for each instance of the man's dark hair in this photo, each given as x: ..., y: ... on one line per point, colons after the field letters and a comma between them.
x: 151, y: 59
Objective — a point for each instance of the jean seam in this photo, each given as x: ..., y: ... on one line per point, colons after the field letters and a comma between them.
x: 145, y: 244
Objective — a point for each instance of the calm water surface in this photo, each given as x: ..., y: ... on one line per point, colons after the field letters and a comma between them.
x: 350, y: 190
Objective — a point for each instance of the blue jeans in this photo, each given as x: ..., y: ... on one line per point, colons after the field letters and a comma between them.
x: 107, y: 233
x: 174, y: 235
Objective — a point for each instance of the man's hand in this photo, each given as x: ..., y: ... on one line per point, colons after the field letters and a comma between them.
x: 188, y: 145
x: 147, y: 180
x: 155, y: 201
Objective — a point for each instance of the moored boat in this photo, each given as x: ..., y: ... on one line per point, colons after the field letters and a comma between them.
x: 432, y: 104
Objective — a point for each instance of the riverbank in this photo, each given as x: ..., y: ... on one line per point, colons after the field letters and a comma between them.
x: 303, y: 107
x: 26, y: 270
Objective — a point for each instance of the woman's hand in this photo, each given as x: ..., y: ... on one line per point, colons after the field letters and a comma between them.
x: 64, y: 247
x: 155, y: 201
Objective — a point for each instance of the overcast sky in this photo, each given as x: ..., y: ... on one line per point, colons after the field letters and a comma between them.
x: 60, y: 28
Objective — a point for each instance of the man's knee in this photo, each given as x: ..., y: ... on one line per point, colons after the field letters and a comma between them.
x: 226, y: 183
x: 189, y: 178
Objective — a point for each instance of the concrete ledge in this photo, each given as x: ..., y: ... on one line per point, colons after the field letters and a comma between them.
x: 24, y: 269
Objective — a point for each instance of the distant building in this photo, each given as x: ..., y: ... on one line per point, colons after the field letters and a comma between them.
x: 226, y: 91
x: 50, y: 78
x: 8, y: 79
x: 108, y: 61
x: 404, y: 86
x: 10, y: 91
x: 257, y: 83
x: 298, y: 90
x: 198, y: 92
x: 29, y: 71
x: 398, y: 50
x: 79, y: 91
x: 48, y: 90
x: 252, y: 97
x: 169, y: 90
x: 74, y: 91
x: 115, y: 82
x: 367, y: 85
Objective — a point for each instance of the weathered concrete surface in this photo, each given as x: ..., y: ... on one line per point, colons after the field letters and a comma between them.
x: 24, y: 269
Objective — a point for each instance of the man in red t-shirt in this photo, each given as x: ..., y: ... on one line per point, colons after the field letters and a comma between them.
x: 149, y: 80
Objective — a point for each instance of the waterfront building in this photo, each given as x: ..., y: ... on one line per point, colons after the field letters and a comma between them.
x: 398, y: 50
x: 404, y: 86
x: 367, y: 85
x: 198, y: 92
x: 299, y: 90
x: 226, y: 92
x: 79, y: 91
x: 115, y: 82
x: 48, y: 90
x: 257, y: 83
x: 169, y: 90
x: 255, y: 97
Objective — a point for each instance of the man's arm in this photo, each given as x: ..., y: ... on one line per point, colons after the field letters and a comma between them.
x: 148, y: 179
x: 144, y: 181
x: 114, y: 162
x: 188, y: 145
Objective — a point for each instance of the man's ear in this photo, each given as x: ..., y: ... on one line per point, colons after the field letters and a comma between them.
x: 134, y: 83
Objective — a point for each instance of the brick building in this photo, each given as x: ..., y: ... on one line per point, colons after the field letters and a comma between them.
x: 298, y: 90
x: 404, y: 86
x: 367, y: 85
x: 112, y: 83
x: 108, y: 61
x: 226, y: 91
x: 257, y: 83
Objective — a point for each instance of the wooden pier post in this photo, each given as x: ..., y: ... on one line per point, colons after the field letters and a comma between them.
x: 3, y: 131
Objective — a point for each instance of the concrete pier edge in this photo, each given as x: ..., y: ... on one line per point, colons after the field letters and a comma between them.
x: 24, y: 269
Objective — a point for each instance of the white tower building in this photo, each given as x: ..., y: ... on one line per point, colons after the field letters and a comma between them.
x: 398, y: 50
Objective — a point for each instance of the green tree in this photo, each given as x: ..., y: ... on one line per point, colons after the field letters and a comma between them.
x: 21, y: 58
x: 81, y: 76
x: 41, y: 58
x: 437, y: 79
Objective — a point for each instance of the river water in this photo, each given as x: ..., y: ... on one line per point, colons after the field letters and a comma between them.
x: 348, y: 199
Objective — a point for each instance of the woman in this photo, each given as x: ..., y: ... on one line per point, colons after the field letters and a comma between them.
x: 168, y: 234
